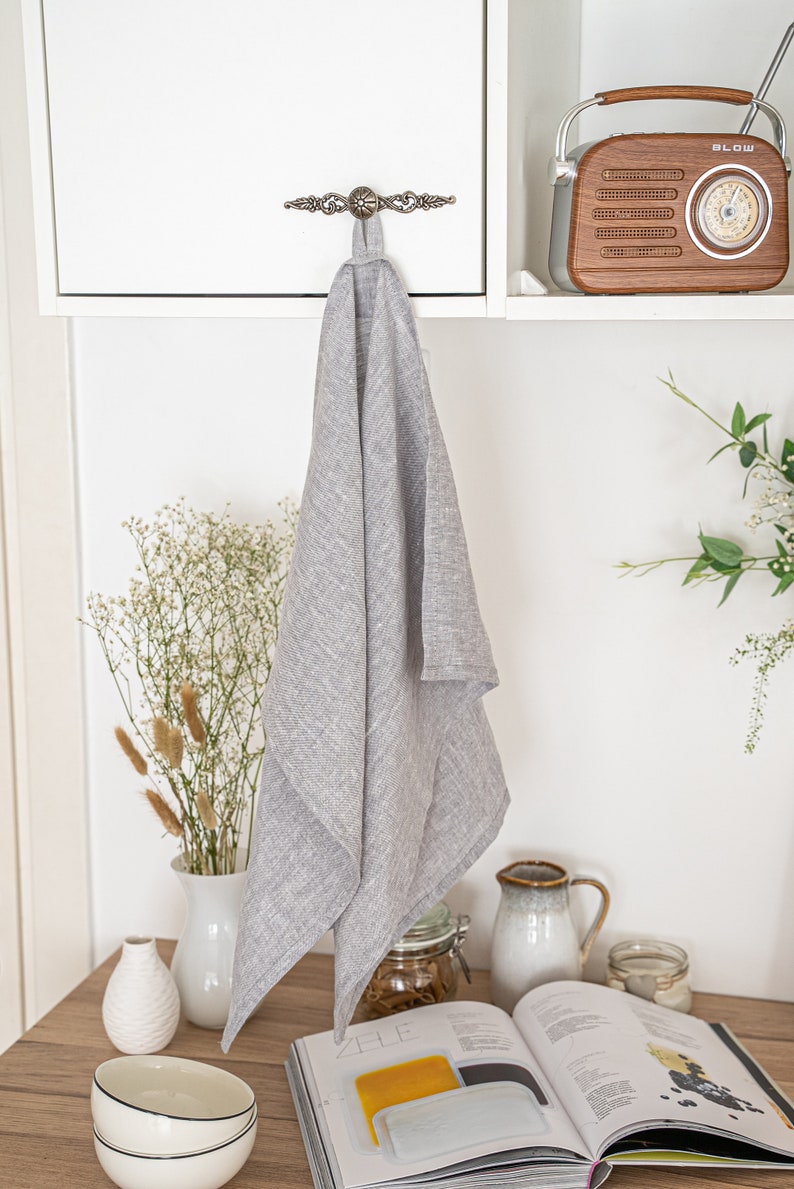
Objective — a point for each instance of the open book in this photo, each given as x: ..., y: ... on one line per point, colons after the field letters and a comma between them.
x: 580, y: 1078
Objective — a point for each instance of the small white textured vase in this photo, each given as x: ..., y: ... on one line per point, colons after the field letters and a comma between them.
x: 140, y: 1009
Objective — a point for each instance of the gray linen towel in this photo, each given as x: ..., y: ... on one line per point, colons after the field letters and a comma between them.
x: 381, y: 781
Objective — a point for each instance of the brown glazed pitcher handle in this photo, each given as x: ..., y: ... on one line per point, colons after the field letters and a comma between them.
x: 593, y: 931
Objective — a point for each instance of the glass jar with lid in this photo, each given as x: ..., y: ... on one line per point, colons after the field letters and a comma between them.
x: 421, y: 968
x: 655, y: 970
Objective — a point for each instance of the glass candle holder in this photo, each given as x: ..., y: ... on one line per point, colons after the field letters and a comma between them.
x: 653, y: 970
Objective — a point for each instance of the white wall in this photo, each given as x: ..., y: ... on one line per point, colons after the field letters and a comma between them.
x: 619, y: 719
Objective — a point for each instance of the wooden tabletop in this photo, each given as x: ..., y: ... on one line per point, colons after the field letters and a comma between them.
x: 46, y: 1139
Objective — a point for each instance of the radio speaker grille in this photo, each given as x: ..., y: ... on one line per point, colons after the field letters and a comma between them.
x: 643, y: 194
x: 634, y: 233
x: 613, y: 253
x: 642, y: 175
x: 626, y: 212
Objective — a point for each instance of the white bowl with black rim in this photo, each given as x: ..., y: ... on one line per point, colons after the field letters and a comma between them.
x: 159, y: 1105
x: 207, y: 1169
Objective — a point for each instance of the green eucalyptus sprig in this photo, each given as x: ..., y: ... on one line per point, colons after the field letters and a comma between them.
x: 723, y: 560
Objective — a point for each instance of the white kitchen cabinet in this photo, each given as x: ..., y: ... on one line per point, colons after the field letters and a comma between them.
x: 169, y: 134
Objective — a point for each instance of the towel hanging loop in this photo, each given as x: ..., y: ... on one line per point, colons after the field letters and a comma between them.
x: 363, y: 202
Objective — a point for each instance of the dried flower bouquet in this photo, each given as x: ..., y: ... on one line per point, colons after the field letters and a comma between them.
x: 190, y: 648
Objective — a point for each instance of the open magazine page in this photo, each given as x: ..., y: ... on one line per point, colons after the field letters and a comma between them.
x: 432, y: 1088
x: 620, y: 1063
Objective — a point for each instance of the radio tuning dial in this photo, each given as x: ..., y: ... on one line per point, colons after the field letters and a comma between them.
x: 728, y: 212
x: 731, y: 212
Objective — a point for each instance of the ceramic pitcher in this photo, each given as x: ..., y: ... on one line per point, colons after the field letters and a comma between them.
x: 535, y: 938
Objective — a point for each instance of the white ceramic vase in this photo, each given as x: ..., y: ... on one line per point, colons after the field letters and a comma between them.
x: 204, y: 955
x: 140, y: 1008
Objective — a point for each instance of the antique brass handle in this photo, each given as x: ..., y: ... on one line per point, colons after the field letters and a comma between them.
x: 363, y: 203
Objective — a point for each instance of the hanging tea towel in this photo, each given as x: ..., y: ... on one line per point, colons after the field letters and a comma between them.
x: 381, y: 781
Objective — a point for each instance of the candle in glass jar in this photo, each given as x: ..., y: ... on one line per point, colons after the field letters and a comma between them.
x: 653, y: 970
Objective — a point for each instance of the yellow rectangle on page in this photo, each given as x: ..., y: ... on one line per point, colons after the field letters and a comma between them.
x: 403, y: 1083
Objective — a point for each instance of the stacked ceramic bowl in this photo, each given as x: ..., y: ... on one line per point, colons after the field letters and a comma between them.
x: 167, y: 1123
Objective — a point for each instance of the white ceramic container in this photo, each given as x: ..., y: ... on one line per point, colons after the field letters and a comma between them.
x: 190, y: 1170
x: 535, y: 939
x: 204, y: 955
x: 161, y: 1105
x: 140, y: 1008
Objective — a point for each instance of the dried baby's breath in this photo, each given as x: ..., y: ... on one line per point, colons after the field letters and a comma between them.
x: 189, y: 647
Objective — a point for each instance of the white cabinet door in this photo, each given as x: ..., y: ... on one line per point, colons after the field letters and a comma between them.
x: 178, y: 129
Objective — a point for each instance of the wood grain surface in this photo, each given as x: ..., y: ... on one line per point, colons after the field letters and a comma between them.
x: 46, y: 1139
x: 629, y: 235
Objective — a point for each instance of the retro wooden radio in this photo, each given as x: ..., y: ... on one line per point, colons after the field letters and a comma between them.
x: 670, y: 212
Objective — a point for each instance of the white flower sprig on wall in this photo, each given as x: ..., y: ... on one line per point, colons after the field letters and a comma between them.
x: 723, y: 560
x: 189, y: 648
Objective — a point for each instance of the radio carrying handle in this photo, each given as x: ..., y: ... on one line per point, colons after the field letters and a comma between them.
x: 561, y: 170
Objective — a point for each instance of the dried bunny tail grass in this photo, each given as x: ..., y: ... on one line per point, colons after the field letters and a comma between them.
x: 176, y: 747
x: 131, y: 751
x: 165, y: 813
x: 206, y: 812
x: 161, y: 731
x: 190, y: 708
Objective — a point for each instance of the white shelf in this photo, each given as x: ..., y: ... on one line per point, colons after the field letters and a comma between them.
x: 778, y: 304
x: 473, y: 306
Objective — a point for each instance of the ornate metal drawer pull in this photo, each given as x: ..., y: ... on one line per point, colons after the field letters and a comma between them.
x: 362, y: 203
